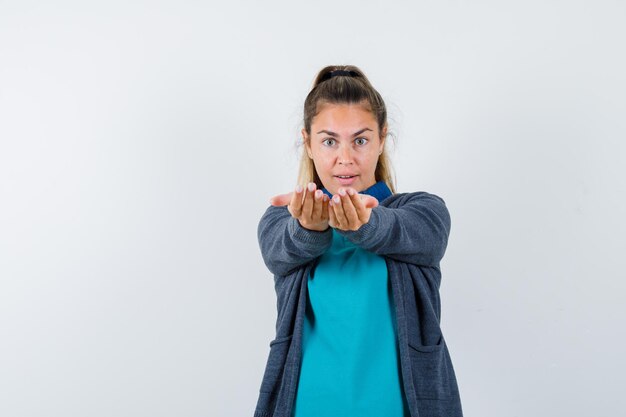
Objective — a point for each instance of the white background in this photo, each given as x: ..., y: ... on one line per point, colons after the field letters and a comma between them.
x: 140, y: 143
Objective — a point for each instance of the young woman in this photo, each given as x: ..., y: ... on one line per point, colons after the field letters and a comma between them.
x: 356, y: 273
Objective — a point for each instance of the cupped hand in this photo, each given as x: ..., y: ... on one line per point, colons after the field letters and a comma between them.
x: 350, y: 210
x: 309, y: 206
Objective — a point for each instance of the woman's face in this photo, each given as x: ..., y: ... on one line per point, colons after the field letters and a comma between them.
x: 344, y: 141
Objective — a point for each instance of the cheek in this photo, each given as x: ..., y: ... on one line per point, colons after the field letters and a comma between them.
x: 322, y: 167
x: 325, y: 164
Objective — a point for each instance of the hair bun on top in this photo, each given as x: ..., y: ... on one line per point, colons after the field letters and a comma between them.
x: 336, y: 73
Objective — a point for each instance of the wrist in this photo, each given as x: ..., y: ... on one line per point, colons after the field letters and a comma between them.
x: 316, y: 228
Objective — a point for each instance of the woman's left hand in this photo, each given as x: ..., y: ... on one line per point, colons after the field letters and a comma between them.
x: 352, y: 211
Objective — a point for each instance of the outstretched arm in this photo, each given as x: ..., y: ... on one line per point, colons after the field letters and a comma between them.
x: 415, y: 232
x: 285, y: 244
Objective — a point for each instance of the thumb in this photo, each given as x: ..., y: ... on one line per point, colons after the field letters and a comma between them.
x: 281, y: 199
x: 369, y: 201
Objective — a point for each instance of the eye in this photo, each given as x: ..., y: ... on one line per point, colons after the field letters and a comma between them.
x: 365, y: 139
x: 325, y: 140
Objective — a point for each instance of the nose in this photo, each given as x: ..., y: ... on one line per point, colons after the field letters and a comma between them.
x: 345, y: 154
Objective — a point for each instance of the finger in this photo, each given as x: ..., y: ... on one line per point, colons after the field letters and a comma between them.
x: 359, y: 205
x: 318, y: 205
x: 338, y: 210
x: 307, y: 207
x: 349, y: 210
x: 332, y: 218
x: 281, y: 199
x: 295, y: 206
x: 369, y: 201
x: 325, y: 201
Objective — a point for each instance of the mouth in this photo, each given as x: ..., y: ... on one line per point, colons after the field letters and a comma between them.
x: 346, y: 179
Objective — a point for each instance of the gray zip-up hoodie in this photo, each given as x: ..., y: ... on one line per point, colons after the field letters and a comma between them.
x: 411, y: 231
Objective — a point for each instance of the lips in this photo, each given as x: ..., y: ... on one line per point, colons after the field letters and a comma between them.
x: 346, y: 181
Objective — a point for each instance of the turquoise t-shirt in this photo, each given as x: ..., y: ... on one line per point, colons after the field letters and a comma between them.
x: 350, y: 359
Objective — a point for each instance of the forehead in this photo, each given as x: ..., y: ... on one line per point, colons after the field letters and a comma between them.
x: 343, y: 116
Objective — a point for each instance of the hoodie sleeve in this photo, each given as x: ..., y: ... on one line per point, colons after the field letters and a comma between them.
x: 285, y: 244
x: 415, y: 232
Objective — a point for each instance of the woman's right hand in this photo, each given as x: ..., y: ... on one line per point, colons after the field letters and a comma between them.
x: 309, y: 206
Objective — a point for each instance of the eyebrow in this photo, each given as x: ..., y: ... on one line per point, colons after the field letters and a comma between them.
x: 328, y: 132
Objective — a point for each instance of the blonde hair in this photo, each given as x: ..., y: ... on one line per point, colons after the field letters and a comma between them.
x: 352, y: 89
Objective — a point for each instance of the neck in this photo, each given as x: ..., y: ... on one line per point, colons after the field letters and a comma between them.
x: 379, y: 190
